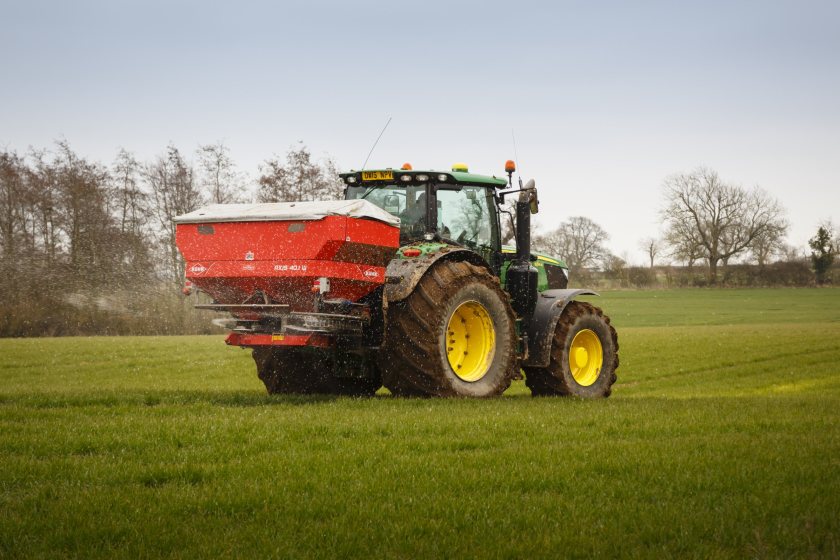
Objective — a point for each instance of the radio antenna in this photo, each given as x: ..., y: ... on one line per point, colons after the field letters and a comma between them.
x: 377, y: 142
x: 516, y: 155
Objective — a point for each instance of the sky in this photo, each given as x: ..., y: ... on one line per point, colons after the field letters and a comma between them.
x: 605, y: 99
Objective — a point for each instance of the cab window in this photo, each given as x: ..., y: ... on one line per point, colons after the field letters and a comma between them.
x: 465, y: 215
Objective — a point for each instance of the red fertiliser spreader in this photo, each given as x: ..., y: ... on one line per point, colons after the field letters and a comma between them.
x: 290, y: 274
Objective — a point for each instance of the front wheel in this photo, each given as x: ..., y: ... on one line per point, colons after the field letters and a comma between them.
x: 584, y: 356
x: 453, y: 336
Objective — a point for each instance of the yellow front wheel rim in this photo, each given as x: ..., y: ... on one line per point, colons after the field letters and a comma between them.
x: 470, y: 341
x: 586, y: 357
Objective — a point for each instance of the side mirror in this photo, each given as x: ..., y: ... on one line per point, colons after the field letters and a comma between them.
x: 529, y: 195
x: 535, y: 202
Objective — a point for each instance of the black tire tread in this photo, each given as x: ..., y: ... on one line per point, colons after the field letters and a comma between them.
x: 409, y: 358
x: 547, y: 381
x: 295, y: 371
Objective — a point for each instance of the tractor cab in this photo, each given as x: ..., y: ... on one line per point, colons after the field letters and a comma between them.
x: 455, y: 207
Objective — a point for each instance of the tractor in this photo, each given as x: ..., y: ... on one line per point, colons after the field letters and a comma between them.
x: 405, y: 283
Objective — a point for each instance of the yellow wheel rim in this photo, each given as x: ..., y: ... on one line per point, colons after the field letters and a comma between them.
x: 470, y: 341
x: 586, y: 356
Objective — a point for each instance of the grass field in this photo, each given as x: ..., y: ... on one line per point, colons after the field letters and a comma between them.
x: 721, y: 440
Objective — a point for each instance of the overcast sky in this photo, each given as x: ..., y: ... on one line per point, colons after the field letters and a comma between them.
x: 606, y: 98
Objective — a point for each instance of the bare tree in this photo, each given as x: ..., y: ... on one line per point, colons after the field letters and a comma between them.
x: 508, y: 228
x: 652, y: 247
x: 766, y: 245
x: 219, y: 176
x: 331, y: 184
x: 615, y: 267
x: 173, y: 190
x: 724, y: 220
x: 13, y: 194
x: 792, y: 253
x: 553, y: 242
x: 298, y: 177
x: 684, y: 244
x: 579, y: 241
x: 586, y: 241
x: 42, y: 205
x: 132, y: 207
x: 84, y: 215
x: 132, y: 203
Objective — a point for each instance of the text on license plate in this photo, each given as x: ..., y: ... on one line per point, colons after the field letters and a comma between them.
x: 377, y: 175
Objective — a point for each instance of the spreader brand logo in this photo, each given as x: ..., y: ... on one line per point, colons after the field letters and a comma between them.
x: 198, y: 268
x: 249, y: 256
x: 371, y: 273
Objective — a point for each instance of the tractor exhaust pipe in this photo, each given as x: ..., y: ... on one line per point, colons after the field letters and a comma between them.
x: 523, y: 222
x: 521, y: 275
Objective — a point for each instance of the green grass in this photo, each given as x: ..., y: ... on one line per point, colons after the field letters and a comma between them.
x: 658, y: 308
x: 721, y: 440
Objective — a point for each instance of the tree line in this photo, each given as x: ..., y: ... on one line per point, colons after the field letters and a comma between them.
x: 88, y: 248
x: 707, y: 221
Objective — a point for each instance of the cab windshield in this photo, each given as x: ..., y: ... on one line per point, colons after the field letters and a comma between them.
x: 464, y: 214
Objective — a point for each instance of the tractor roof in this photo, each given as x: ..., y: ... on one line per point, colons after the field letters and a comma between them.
x: 388, y: 175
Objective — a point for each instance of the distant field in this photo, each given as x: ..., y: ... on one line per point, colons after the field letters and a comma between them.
x: 665, y: 308
x: 721, y: 439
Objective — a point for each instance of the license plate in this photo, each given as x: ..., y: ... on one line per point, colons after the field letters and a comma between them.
x: 377, y: 175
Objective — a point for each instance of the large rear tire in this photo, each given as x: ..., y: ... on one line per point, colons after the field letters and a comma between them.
x: 584, y: 356
x: 306, y: 371
x: 453, y: 336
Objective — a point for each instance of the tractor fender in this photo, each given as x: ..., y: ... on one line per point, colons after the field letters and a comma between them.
x: 402, y: 275
x: 550, y: 306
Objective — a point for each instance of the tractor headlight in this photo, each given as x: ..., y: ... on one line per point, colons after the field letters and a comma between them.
x: 442, y: 177
x: 405, y: 178
x: 351, y: 180
x: 422, y: 178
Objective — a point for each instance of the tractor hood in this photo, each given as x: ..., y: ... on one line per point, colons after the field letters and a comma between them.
x: 287, y: 212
